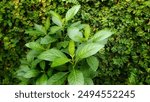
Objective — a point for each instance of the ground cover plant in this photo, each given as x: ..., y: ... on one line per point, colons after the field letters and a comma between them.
x: 125, y: 59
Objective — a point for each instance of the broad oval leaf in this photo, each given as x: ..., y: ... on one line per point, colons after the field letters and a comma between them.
x: 56, y: 18
x: 59, y: 61
x: 40, y: 28
x: 88, y: 81
x: 75, y: 34
x: 93, y: 62
x: 54, y: 29
x: 34, y: 46
x: 76, y: 78
x: 87, y: 50
x: 47, y: 39
x: 57, y: 79
x: 72, y: 12
x: 101, y: 35
x: 42, y: 80
x: 31, y: 73
x: 51, y: 55
x: 32, y: 54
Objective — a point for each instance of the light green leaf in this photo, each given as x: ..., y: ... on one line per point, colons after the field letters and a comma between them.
x: 93, y: 62
x: 87, y: 31
x: 88, y: 81
x: 77, y: 25
x: 101, y: 35
x: 40, y: 28
x: 58, y: 78
x: 33, y: 32
x: 76, y: 78
x: 47, y: 23
x: 59, y: 61
x: 51, y: 55
x: 54, y: 29
x: 72, y: 12
x: 87, y: 50
x: 31, y: 73
x: 42, y: 80
x: 34, y: 46
x: 71, y: 48
x: 56, y: 18
x: 75, y: 34
x: 47, y: 39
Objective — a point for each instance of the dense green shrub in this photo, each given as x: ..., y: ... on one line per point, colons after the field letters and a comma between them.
x: 125, y: 59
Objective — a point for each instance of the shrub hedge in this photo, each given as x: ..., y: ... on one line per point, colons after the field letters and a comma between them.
x: 124, y: 60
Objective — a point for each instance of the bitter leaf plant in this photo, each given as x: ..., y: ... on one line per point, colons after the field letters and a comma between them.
x: 62, y: 52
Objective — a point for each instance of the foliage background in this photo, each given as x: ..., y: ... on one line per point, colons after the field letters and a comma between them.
x: 124, y: 60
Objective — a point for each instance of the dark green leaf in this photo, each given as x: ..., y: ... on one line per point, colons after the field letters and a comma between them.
x: 57, y: 79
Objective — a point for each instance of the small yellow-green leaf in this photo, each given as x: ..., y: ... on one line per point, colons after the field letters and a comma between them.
x: 87, y: 31
x: 71, y: 48
x: 47, y: 23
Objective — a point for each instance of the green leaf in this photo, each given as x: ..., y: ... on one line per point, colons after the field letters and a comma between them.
x: 42, y: 80
x: 88, y: 72
x: 72, y: 12
x: 42, y: 64
x: 32, y: 54
x: 63, y: 44
x: 59, y: 61
x: 101, y: 35
x: 87, y: 50
x: 40, y: 28
x: 58, y: 78
x: 77, y: 25
x: 54, y: 29
x: 34, y: 63
x: 31, y: 73
x: 47, y: 39
x: 47, y: 23
x: 34, y: 46
x: 93, y: 62
x: 71, y: 48
x: 56, y: 18
x: 88, y: 81
x: 51, y: 55
x: 33, y: 32
x: 87, y: 31
x: 76, y: 78
x: 75, y: 34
